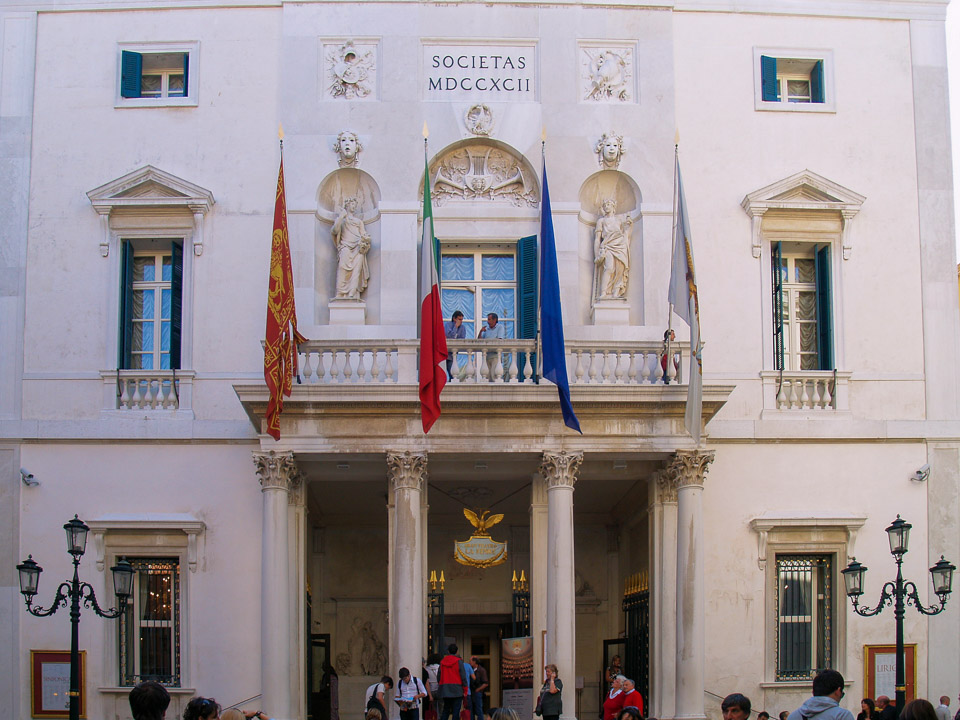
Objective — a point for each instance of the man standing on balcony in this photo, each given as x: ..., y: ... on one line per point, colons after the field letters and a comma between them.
x: 492, y: 330
x: 454, y: 331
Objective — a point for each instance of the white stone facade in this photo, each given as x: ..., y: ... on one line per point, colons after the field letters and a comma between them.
x: 357, y: 505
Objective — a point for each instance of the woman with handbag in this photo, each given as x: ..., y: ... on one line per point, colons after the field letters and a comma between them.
x: 549, y: 704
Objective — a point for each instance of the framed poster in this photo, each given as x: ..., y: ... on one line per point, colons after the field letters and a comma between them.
x: 880, y: 670
x: 50, y: 683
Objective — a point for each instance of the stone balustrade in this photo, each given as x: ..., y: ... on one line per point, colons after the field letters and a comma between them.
x: 145, y: 389
x: 492, y: 361
x: 813, y: 390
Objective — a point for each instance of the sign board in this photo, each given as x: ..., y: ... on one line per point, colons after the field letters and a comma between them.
x: 480, y: 551
x: 481, y: 72
x: 50, y: 684
x: 516, y: 673
x: 880, y: 670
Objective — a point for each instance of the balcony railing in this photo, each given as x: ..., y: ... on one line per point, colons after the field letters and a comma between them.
x: 487, y: 361
x: 810, y: 390
x: 147, y: 389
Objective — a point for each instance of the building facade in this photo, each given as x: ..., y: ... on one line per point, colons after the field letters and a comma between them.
x: 141, y: 155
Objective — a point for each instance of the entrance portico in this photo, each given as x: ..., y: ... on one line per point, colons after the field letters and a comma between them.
x: 355, y: 455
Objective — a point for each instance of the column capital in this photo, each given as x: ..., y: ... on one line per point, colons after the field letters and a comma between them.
x: 560, y: 469
x: 666, y: 482
x: 689, y: 467
x: 277, y: 471
x: 407, y: 470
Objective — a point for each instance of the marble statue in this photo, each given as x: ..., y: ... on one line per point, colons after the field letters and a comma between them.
x: 352, y: 242
x: 610, y: 150
x: 348, y: 148
x: 611, y: 248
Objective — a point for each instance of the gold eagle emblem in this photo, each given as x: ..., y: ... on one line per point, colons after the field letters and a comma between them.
x: 482, y: 522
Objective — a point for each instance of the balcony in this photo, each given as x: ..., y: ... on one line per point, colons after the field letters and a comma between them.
x: 147, y: 390
x: 486, y: 361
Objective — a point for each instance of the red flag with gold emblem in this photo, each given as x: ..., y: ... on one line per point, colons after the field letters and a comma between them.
x: 280, y: 350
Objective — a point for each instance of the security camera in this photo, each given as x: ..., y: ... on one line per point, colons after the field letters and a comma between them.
x: 28, y: 478
x: 922, y: 474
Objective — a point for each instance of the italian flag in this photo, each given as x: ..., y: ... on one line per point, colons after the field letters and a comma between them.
x: 433, y: 340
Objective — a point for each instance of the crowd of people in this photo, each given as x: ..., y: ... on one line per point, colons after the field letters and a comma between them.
x: 450, y: 684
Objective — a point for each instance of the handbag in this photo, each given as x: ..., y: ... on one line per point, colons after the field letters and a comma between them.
x: 538, y: 711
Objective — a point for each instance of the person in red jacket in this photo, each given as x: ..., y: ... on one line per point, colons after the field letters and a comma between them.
x: 452, y: 680
x: 613, y: 703
x: 631, y: 696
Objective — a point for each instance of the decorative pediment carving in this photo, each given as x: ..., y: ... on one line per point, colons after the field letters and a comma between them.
x: 483, y: 172
x: 805, y: 191
x: 150, y: 187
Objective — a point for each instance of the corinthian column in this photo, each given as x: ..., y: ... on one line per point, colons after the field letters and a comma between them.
x: 663, y: 669
x: 559, y: 470
x: 278, y: 475
x: 407, y: 472
x: 688, y: 469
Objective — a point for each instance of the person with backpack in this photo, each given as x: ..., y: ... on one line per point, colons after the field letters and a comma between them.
x: 452, y: 684
x: 411, y: 689
x: 375, y: 697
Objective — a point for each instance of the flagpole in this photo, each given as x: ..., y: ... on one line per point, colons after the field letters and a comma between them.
x: 423, y: 280
x: 538, y: 344
x: 676, y: 200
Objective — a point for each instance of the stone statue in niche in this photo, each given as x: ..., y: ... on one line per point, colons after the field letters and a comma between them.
x: 352, y: 242
x: 607, y: 75
x: 348, y: 148
x: 610, y: 150
x: 351, y: 70
x: 611, y: 249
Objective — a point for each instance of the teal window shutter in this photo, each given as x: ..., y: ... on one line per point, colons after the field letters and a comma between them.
x: 768, y: 79
x: 824, y: 310
x: 816, y: 83
x: 176, y: 304
x: 186, y: 74
x: 527, y: 295
x: 776, y: 266
x: 125, y: 344
x: 131, y: 70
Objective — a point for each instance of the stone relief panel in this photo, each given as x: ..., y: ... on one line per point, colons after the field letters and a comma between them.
x: 362, y: 650
x: 350, y: 69
x: 607, y: 73
x: 483, y: 172
x: 479, y: 120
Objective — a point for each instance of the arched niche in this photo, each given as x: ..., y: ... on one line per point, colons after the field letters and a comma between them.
x: 482, y: 171
x: 332, y: 192
x: 597, y: 189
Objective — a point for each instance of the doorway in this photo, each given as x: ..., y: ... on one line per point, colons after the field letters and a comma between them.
x: 482, y: 641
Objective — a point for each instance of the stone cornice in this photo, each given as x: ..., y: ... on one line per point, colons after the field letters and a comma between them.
x: 277, y: 471
x: 689, y: 467
x: 407, y: 469
x: 560, y: 469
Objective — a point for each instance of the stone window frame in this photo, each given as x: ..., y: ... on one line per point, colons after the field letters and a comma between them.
x: 190, y: 48
x: 178, y: 535
x: 803, y: 535
x: 829, y: 104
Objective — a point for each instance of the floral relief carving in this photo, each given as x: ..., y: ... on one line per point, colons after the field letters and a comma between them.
x: 277, y: 470
x: 689, y: 467
x: 483, y: 172
x: 607, y: 74
x: 350, y: 70
x: 407, y: 469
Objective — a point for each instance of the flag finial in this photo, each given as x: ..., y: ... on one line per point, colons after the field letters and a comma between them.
x: 280, y: 132
x: 676, y: 137
x: 426, y: 131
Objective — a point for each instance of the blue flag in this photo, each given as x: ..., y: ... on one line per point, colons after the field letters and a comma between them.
x: 551, y: 319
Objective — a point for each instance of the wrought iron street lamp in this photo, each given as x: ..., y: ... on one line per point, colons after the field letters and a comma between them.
x: 899, y: 593
x: 74, y: 591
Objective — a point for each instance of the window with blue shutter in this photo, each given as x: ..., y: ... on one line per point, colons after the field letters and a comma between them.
x: 768, y: 79
x: 157, y: 74
x: 824, y: 309
x: 131, y: 70
x: 151, y: 307
x: 527, y: 295
x: 816, y: 82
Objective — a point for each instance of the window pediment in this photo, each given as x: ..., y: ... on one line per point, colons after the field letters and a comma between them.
x: 804, y: 192
x: 150, y: 187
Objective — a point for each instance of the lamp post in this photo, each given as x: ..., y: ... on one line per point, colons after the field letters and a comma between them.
x: 899, y: 593
x: 74, y: 591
